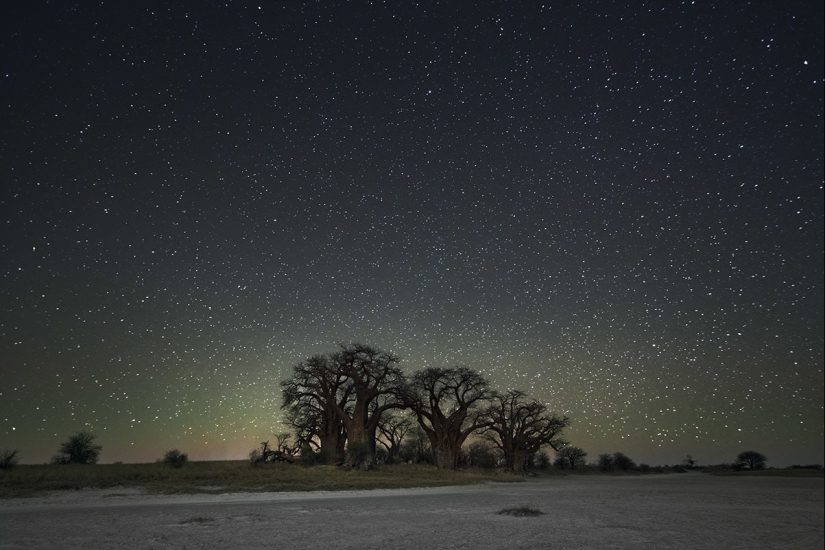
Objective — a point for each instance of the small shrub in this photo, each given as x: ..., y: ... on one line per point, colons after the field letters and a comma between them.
x: 521, y: 512
x: 197, y: 520
x: 8, y: 460
x: 381, y: 456
x: 644, y: 467
x: 255, y: 457
x: 309, y: 457
x: 175, y: 458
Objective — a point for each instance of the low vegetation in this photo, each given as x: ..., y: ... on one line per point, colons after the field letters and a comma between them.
x: 8, y: 459
x: 79, y: 448
x: 174, y: 458
x: 521, y: 512
x: 230, y: 476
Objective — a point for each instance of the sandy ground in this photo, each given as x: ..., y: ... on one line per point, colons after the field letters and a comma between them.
x: 656, y: 511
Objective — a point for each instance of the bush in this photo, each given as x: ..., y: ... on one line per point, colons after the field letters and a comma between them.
x: 8, y: 460
x: 309, y: 457
x: 78, y: 449
x: 539, y: 460
x: 573, y: 456
x: 521, y: 512
x: 381, y: 456
x: 605, y: 462
x: 174, y: 458
x: 623, y: 462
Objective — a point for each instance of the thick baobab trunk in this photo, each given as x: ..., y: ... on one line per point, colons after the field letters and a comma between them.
x: 360, y: 440
x: 360, y: 453
x: 516, y: 460
x: 445, y: 452
x: 332, y: 444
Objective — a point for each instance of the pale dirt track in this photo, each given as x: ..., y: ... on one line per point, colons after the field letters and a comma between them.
x: 654, y: 511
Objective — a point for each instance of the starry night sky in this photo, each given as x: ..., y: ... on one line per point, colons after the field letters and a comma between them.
x: 614, y: 206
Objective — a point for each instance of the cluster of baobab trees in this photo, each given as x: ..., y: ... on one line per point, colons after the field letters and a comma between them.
x: 335, y: 404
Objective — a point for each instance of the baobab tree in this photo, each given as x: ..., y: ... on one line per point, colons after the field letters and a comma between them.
x: 519, y: 426
x: 448, y: 406
x: 315, y: 397
x: 378, y: 385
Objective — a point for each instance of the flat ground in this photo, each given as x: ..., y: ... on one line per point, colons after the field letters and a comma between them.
x: 653, y: 511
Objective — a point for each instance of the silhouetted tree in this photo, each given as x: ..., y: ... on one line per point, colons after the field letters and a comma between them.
x: 542, y: 460
x: 752, y: 460
x: 78, y: 449
x: 689, y: 462
x: 623, y: 462
x: 315, y: 397
x: 448, y: 405
x: 571, y: 456
x: 8, y: 459
x: 605, y: 462
x: 393, y: 427
x: 175, y: 458
x: 519, y: 426
x: 378, y: 385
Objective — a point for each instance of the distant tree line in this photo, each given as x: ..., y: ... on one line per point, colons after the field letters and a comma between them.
x: 341, y: 404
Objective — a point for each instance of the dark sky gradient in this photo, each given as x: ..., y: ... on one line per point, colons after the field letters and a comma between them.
x: 614, y: 206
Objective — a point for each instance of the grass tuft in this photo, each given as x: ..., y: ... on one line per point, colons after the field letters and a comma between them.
x: 521, y: 512
x: 197, y: 519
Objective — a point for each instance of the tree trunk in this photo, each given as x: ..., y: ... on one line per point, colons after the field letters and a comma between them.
x: 360, y: 454
x: 360, y: 439
x: 445, y: 453
x: 515, y: 461
x: 332, y: 443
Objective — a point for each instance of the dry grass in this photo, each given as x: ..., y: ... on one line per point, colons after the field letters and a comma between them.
x: 228, y: 476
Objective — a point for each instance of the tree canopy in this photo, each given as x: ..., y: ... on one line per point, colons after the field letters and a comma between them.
x: 519, y: 426
x: 751, y: 460
x: 337, y: 403
x: 449, y: 406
